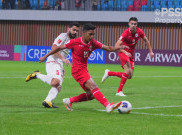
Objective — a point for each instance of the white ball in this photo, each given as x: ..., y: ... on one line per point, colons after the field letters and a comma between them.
x: 125, y: 107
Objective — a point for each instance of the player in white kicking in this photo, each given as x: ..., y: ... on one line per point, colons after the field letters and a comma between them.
x: 54, y: 65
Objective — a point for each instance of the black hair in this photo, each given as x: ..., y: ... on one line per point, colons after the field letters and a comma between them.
x: 133, y: 19
x: 73, y: 24
x: 88, y: 26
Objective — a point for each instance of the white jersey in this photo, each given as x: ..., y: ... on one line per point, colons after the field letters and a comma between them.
x: 63, y: 38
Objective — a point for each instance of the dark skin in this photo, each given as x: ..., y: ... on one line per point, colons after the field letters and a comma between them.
x: 87, y: 36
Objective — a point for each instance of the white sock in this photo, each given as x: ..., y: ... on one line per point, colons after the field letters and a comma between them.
x: 45, y: 78
x: 52, y: 94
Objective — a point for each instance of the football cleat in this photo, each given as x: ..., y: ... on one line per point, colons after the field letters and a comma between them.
x: 32, y: 76
x: 67, y: 103
x: 105, y: 75
x: 49, y: 104
x: 120, y: 94
x: 112, y: 107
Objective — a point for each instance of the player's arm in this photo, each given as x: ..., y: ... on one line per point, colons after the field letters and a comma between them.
x: 120, y: 43
x: 67, y: 62
x: 113, y: 48
x: 53, y: 51
x: 147, y: 43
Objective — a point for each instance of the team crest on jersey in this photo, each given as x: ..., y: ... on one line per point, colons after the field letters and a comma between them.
x: 81, y: 45
x: 59, y: 41
x: 90, y: 48
x: 136, y: 35
x: 133, y: 41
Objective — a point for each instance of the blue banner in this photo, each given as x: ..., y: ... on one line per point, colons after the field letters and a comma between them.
x: 97, y: 57
x: 35, y: 52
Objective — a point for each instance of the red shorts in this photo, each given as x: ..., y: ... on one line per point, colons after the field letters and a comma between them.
x: 123, y: 58
x: 81, y: 76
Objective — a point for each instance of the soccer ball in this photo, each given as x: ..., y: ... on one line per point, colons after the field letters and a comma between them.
x: 125, y: 107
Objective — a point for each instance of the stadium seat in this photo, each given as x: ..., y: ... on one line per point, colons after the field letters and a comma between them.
x: 34, y: 4
x: 177, y: 4
x: 164, y: 4
x: 145, y: 8
x: 130, y: 8
x: 157, y: 4
x: 170, y: 4
x: 124, y: 5
x: 0, y: 5
x: 137, y: 5
x: 111, y: 5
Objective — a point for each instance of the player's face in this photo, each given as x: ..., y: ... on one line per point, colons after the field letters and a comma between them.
x: 132, y: 25
x: 73, y: 31
x: 88, y: 35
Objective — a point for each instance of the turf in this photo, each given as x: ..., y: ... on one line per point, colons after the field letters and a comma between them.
x: 21, y: 112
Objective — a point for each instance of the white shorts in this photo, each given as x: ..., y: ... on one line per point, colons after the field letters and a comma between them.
x: 55, y: 70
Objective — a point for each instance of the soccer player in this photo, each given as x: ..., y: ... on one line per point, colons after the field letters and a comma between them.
x: 54, y: 65
x: 129, y: 38
x: 81, y: 48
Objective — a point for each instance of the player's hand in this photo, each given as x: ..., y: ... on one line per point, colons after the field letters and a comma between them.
x: 41, y: 59
x: 67, y: 62
x: 151, y: 55
x: 128, y: 54
x: 124, y: 47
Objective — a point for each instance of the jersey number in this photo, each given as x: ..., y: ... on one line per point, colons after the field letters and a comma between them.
x: 86, y: 54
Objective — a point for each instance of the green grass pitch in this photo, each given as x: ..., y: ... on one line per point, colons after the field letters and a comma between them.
x: 154, y: 92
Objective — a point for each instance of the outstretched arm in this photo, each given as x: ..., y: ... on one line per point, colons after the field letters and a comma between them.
x: 67, y: 62
x: 113, y: 48
x: 147, y: 43
x: 120, y: 43
x: 54, y: 50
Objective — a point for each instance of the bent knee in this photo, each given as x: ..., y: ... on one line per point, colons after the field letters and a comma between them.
x: 55, y: 82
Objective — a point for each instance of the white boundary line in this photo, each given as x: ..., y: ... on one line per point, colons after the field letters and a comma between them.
x: 100, y: 77
x: 141, y: 113
x: 157, y: 114
x: 158, y: 107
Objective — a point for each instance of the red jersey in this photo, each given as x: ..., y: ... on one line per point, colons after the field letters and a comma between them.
x: 81, y: 52
x: 130, y: 39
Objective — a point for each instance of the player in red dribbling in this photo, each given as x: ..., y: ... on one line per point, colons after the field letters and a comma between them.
x: 81, y: 49
x: 129, y: 38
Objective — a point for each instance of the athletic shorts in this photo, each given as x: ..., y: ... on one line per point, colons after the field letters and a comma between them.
x: 81, y: 76
x: 123, y: 58
x: 55, y: 70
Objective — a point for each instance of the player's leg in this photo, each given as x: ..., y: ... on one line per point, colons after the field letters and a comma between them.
x: 56, y: 73
x: 80, y: 98
x: 52, y: 94
x: 125, y: 64
x: 108, y: 73
x: 93, y: 88
x: 128, y: 72
x: 81, y: 79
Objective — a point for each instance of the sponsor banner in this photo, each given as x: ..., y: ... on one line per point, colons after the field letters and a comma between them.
x: 33, y: 53
x: 97, y: 57
x: 69, y: 56
x: 112, y: 58
x: 6, y: 52
x: 161, y: 58
x: 142, y: 57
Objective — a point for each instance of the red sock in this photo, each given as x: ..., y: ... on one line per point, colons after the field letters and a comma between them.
x: 118, y: 74
x: 81, y: 97
x: 123, y: 81
x: 100, y: 97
